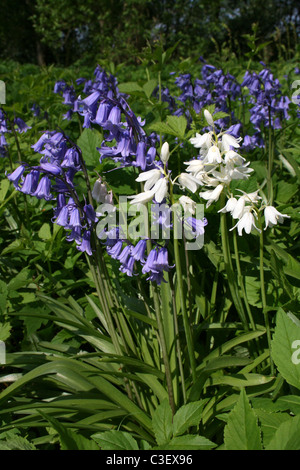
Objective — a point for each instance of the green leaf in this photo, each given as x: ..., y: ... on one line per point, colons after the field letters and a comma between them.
x: 287, y: 436
x: 189, y: 442
x: 45, y: 232
x: 69, y: 439
x: 129, y: 87
x: 290, y: 402
x: 269, y: 423
x: 4, y: 186
x: 187, y: 416
x: 19, y: 280
x: 149, y: 87
x: 115, y: 440
x: 175, y: 125
x: 89, y: 140
x: 4, y: 331
x: 16, y: 443
x: 178, y: 124
x: 242, y: 431
x: 3, y: 296
x: 285, y: 347
x: 162, y: 423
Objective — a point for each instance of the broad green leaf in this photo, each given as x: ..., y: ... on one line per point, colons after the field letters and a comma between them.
x: 4, y: 186
x: 189, y: 442
x: 19, y: 280
x: 241, y: 431
x: 149, y: 87
x: 162, y: 423
x: 289, y: 402
x: 292, y: 266
x: 287, y: 436
x: 175, y: 125
x: 178, y: 124
x: 5, y: 331
x: 269, y: 423
x: 69, y: 439
x: 129, y: 87
x: 285, y: 348
x: 45, y: 232
x: 88, y: 142
x: 17, y: 443
x: 115, y: 440
x: 187, y: 416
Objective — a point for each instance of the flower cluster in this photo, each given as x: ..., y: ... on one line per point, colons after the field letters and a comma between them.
x: 269, y: 106
x: 53, y: 179
x: 6, y: 128
x: 217, y: 165
x: 214, y: 88
x: 124, y: 138
x: 3, y: 130
x: 153, y: 264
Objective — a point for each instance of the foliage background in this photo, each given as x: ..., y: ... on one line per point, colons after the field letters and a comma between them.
x: 71, y: 31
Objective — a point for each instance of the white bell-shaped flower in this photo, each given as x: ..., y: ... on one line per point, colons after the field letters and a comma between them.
x: 273, y: 216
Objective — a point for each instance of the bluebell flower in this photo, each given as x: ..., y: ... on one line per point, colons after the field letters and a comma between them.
x: 197, y: 225
x: 125, y: 254
x: 138, y: 252
x: 161, y: 262
x: 127, y: 267
x: 15, y: 176
x: 75, y: 219
x: 43, y: 191
x: 85, y: 245
x: 31, y: 182
x: 115, y: 250
x: 21, y: 125
x: 63, y: 217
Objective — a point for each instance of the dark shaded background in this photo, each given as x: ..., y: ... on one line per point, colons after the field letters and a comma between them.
x: 65, y: 32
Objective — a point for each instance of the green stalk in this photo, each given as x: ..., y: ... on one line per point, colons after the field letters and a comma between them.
x: 263, y: 294
x: 163, y: 345
x: 187, y: 327
x: 270, y: 161
x: 186, y: 321
x: 162, y: 340
x: 228, y: 266
x: 178, y: 347
x: 241, y: 281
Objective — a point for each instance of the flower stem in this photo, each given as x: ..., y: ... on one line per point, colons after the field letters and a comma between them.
x: 229, y: 268
x: 263, y: 295
x: 241, y: 281
x: 162, y: 340
x: 186, y: 324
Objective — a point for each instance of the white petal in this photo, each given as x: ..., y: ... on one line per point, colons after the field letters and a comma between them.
x: 188, y: 181
x: 146, y: 175
x: 229, y: 141
x: 238, y: 211
x: 160, y: 189
x: 213, y: 155
x: 142, y: 198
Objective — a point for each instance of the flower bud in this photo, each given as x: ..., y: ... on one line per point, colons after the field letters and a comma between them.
x: 99, y: 191
x: 208, y: 117
x: 165, y: 153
